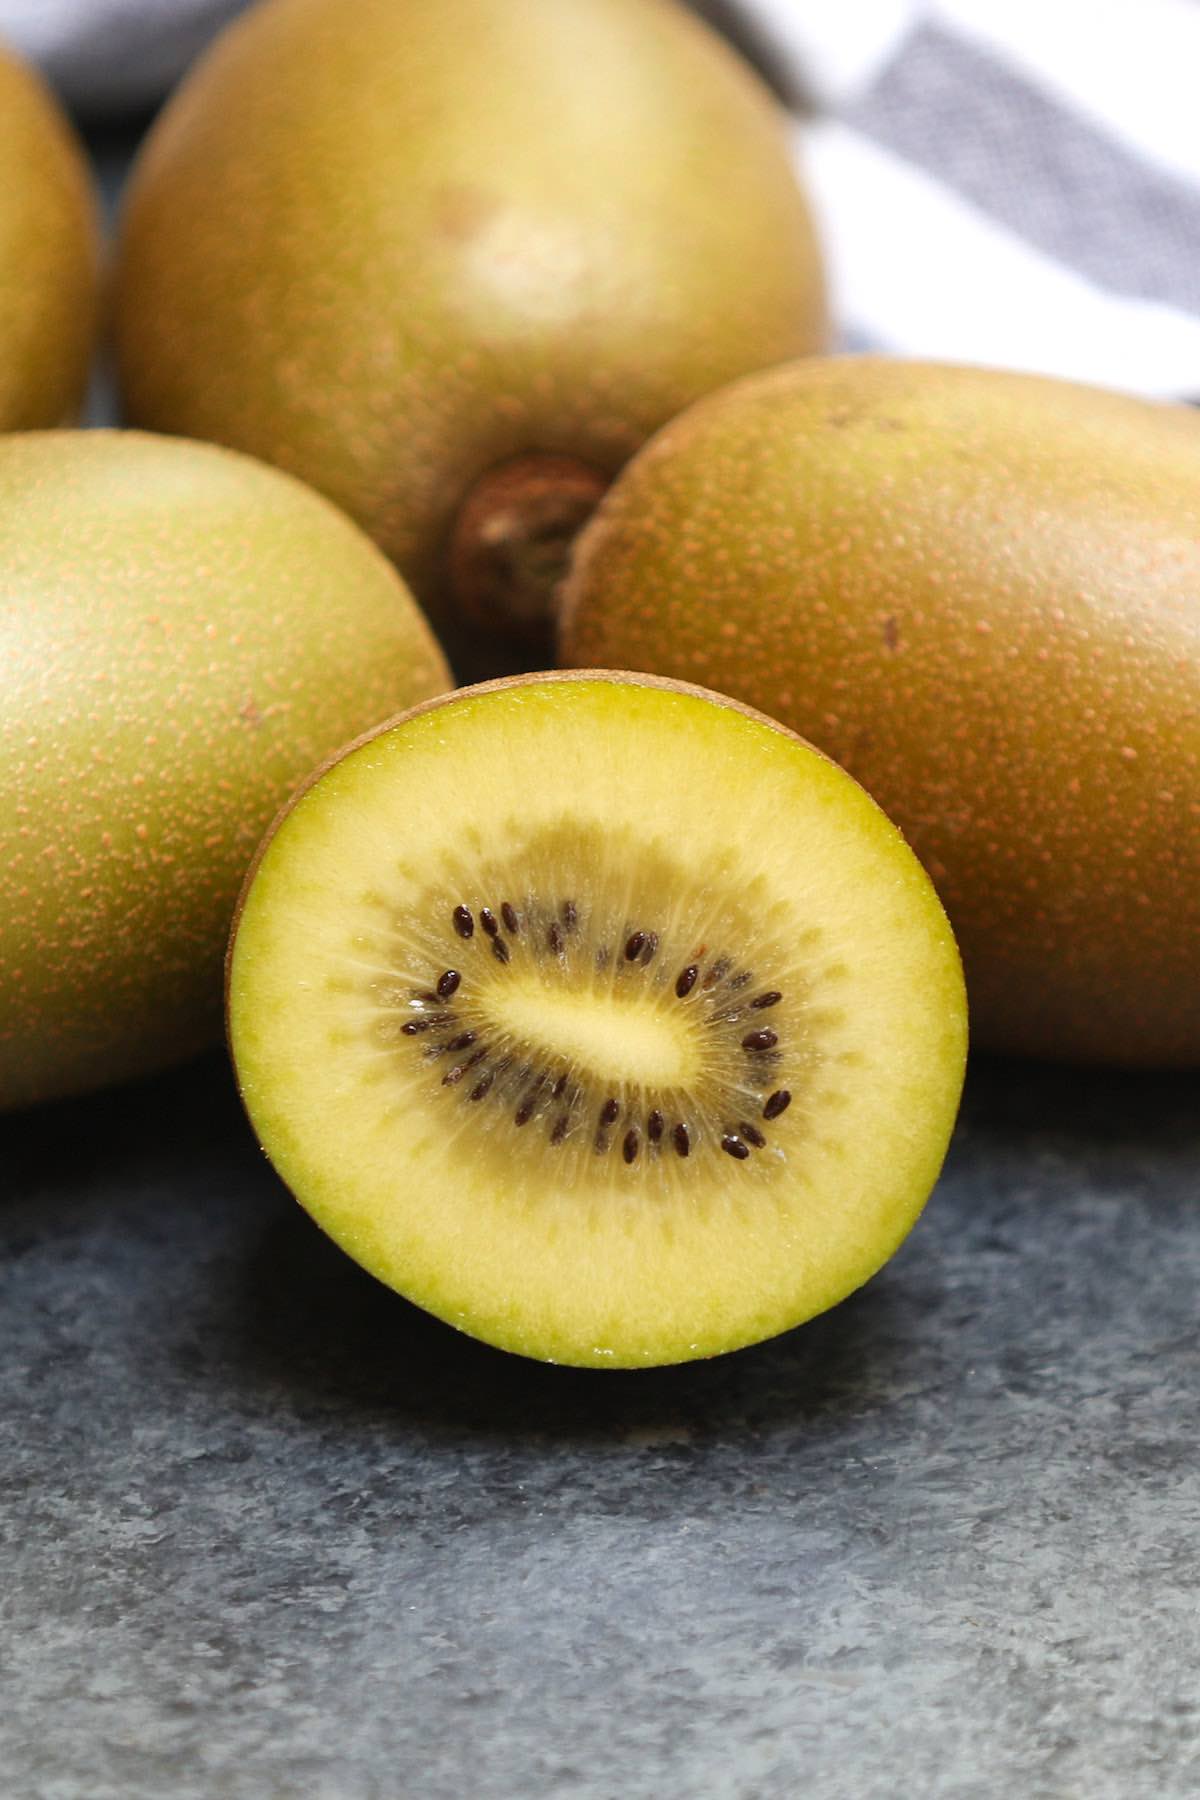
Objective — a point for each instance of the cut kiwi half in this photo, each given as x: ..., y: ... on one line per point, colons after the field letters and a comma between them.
x: 600, y: 1016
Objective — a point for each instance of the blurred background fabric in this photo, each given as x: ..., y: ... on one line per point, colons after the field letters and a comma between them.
x: 112, y: 56
x: 1014, y: 182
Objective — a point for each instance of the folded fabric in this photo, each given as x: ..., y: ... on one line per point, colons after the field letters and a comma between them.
x: 1014, y: 182
x: 109, y: 56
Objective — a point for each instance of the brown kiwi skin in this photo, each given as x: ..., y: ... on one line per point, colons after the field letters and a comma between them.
x: 49, y: 256
x: 979, y: 592
x: 393, y: 258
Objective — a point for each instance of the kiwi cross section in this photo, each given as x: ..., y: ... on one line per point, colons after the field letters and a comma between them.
x: 603, y: 1018
x: 606, y: 1042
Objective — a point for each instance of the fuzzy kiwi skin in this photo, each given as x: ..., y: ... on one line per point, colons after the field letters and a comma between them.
x: 392, y: 257
x: 980, y: 592
x: 183, y: 634
x: 49, y: 256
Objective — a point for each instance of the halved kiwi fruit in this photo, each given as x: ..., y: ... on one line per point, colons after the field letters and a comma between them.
x: 602, y: 1017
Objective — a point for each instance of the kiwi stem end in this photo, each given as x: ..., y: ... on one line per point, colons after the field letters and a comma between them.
x: 511, y: 541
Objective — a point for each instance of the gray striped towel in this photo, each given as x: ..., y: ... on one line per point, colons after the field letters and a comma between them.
x: 1014, y: 182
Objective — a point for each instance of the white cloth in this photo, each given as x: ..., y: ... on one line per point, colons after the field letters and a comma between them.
x: 112, y: 55
x: 1014, y: 182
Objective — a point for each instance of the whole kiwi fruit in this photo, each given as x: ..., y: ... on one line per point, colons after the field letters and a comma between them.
x: 600, y: 1016
x: 184, y: 634
x: 49, y: 256
x: 451, y: 261
x: 980, y: 592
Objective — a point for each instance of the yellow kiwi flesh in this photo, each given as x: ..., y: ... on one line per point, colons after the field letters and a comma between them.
x: 49, y: 256
x: 184, y: 634
x: 396, y: 257
x: 601, y: 1017
x: 980, y: 592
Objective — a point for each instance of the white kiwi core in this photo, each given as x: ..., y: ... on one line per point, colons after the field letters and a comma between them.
x: 615, y: 1039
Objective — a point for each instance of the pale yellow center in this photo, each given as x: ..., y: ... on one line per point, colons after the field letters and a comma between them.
x: 616, y: 1038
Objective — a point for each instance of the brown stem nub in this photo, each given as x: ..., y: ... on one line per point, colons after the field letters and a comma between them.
x: 512, y: 540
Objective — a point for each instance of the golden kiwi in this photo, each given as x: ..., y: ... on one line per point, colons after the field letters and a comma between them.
x: 49, y: 256
x: 980, y: 592
x: 184, y: 633
x: 453, y: 263
x: 603, y: 1018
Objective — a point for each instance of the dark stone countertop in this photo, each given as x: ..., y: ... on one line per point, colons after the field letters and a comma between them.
x: 271, y: 1532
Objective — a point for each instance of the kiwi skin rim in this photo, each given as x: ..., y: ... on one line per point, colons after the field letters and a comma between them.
x: 618, y: 677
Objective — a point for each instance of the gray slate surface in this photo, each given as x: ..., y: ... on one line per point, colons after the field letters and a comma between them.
x: 270, y: 1532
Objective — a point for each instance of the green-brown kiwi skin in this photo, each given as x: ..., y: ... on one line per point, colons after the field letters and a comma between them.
x: 592, y: 217
x: 978, y: 591
x: 114, y: 970
x: 637, y: 678
x: 50, y: 256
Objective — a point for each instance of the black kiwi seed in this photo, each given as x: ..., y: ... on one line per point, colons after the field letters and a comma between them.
x: 759, y: 1040
x: 463, y: 1041
x: 609, y: 1111
x: 648, y: 949
x: 500, y: 949
x: 681, y: 1138
x: 487, y: 919
x: 752, y: 1134
x: 556, y: 1093
x: 464, y: 924
x: 629, y: 1148
x: 453, y: 1076
x: 525, y: 1111
x: 483, y: 1085
x: 734, y: 1146
x: 508, y: 913
x: 771, y: 999
x: 411, y: 1027
x: 686, y: 980
x: 447, y: 984
x: 777, y: 1103
x: 634, y: 946
x: 654, y: 1126
x: 554, y: 938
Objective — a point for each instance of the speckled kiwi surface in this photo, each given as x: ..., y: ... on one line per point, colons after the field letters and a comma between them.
x: 606, y: 1020
x: 388, y: 257
x: 980, y: 592
x: 184, y: 634
x: 49, y: 256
